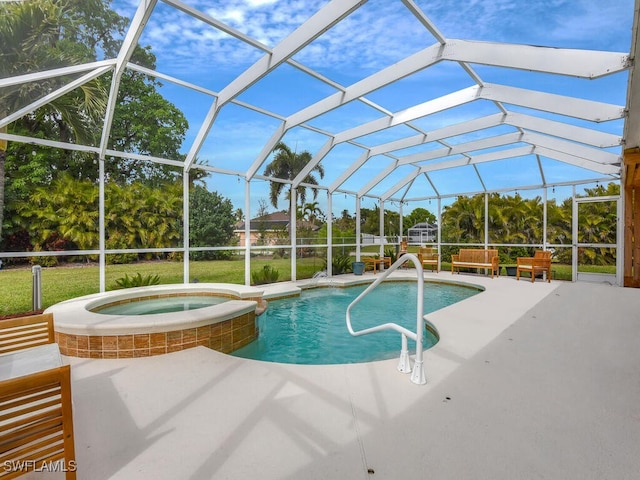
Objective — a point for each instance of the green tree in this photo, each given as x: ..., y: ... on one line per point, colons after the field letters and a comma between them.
x: 463, y: 220
x: 65, y: 214
x: 287, y: 164
x: 67, y: 209
x: 43, y: 34
x: 417, y: 215
x: 34, y: 36
x: 346, y: 222
x: 211, y: 221
x: 145, y: 123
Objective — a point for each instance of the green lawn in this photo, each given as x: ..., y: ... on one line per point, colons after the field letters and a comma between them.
x: 65, y: 282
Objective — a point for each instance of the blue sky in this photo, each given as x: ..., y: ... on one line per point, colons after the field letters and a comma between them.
x: 377, y: 35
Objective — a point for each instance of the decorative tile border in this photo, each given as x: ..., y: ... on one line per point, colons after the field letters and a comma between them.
x: 225, y: 336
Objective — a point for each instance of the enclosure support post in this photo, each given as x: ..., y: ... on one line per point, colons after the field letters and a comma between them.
x: 401, y: 225
x: 329, y: 236
x: 293, y: 224
x: 247, y: 232
x: 574, y: 236
x: 358, y: 237
x: 486, y: 220
x: 185, y: 221
x: 545, y: 190
x: 381, y: 232
x: 102, y: 260
x: 439, y: 233
x: 631, y: 200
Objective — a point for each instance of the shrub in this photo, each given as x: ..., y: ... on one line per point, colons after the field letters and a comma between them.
x: 136, y: 281
x: 391, y: 253
x: 266, y: 275
x: 339, y: 264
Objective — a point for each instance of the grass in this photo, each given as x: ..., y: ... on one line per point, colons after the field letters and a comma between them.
x: 70, y: 281
x: 65, y: 282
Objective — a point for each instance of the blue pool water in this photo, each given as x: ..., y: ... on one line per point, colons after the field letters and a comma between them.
x: 311, y: 329
x: 162, y: 305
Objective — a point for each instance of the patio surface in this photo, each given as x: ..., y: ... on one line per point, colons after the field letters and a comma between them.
x: 528, y: 381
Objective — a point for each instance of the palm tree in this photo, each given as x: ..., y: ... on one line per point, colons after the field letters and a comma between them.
x: 29, y: 42
x: 287, y: 164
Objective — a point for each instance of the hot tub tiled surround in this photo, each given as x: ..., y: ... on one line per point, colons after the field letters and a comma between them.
x: 82, y: 332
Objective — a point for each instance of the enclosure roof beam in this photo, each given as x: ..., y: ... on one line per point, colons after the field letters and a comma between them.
x: 377, y: 179
x: 578, y: 161
x: 588, y: 136
x: 315, y: 26
x: 548, y: 60
x: 553, y: 103
x: 355, y: 91
x: 401, y: 183
x: 424, y: 20
x: 460, y: 162
x: 55, y: 94
x: 441, y: 133
x: 56, y: 72
x: 361, y: 160
x: 461, y: 148
x: 382, y: 78
x: 591, y: 154
x: 482, y: 158
x: 561, y: 61
x: 266, y: 150
x: 306, y: 33
x: 129, y: 44
x: 48, y: 143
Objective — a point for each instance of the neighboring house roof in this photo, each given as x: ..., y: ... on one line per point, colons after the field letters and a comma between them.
x: 274, y: 221
x: 424, y: 226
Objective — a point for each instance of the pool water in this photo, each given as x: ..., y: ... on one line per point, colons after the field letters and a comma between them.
x: 311, y: 329
x: 171, y: 304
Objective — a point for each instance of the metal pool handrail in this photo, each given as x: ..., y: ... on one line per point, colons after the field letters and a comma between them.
x: 404, y: 365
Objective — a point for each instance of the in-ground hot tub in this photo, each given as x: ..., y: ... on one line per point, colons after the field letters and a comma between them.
x: 82, y: 330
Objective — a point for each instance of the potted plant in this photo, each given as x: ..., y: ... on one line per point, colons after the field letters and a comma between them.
x: 358, y: 268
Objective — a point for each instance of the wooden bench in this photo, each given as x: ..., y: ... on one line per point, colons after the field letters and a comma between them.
x: 429, y: 257
x: 539, y: 263
x: 36, y: 418
x: 476, y: 258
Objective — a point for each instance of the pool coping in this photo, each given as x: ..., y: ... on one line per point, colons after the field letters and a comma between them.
x: 72, y: 316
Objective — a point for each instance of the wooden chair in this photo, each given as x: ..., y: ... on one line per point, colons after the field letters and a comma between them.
x: 429, y: 257
x: 26, y: 332
x: 36, y: 426
x: 36, y: 418
x: 539, y: 263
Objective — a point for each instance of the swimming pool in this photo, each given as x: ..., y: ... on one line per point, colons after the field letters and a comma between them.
x: 310, y: 329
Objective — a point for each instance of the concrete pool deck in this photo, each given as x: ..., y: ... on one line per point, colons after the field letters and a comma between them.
x: 528, y: 381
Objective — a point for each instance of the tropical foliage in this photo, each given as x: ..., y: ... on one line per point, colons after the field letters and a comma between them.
x: 64, y: 216
x: 41, y: 35
x: 339, y: 264
x: 287, y: 164
x: 211, y: 222
x: 36, y: 36
x: 515, y: 220
x: 136, y: 280
x: 267, y: 274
